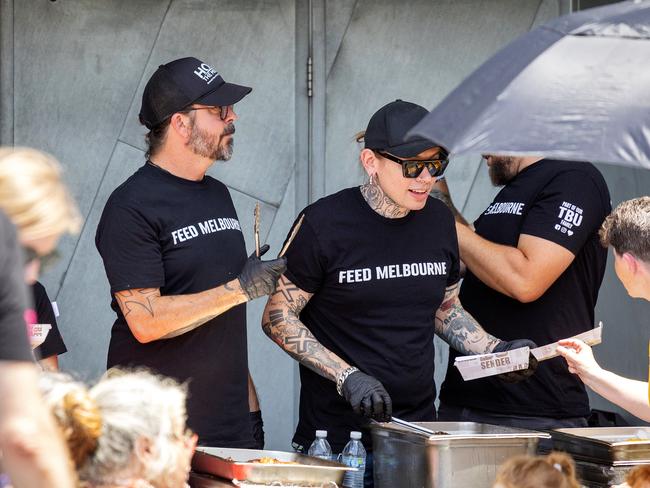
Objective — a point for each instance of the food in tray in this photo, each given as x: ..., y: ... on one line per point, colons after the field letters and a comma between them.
x: 270, y: 460
x: 440, y: 432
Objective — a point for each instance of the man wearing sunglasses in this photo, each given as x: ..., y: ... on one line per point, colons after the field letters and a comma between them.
x: 534, y: 268
x: 175, y: 256
x: 372, y: 275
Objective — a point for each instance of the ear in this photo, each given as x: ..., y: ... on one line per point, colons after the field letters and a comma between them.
x: 369, y: 161
x: 144, y: 450
x: 630, y: 262
x: 180, y: 124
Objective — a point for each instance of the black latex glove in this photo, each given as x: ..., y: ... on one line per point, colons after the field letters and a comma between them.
x: 367, y: 396
x: 258, y: 278
x: 258, y: 429
x: 522, y: 374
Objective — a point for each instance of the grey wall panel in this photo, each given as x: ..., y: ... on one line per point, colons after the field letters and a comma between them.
x: 76, y: 65
x: 417, y: 53
x: 6, y: 72
x: 84, y: 301
x: 248, y: 43
x: 547, y: 10
x: 272, y: 369
x: 337, y: 19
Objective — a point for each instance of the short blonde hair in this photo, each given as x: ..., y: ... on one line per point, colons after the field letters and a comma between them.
x: 557, y: 470
x: 33, y: 195
x: 627, y: 228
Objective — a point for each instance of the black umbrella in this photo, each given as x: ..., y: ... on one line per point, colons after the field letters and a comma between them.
x: 575, y: 88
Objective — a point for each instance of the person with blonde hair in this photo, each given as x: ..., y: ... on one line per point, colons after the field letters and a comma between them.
x: 627, y: 231
x: 639, y: 477
x: 127, y: 430
x: 556, y: 470
x: 33, y: 198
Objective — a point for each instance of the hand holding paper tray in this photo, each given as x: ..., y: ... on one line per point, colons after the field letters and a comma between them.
x: 483, y: 365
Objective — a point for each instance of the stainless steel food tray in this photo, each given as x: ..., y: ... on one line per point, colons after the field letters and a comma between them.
x: 616, y: 446
x: 232, y: 464
x: 467, y: 456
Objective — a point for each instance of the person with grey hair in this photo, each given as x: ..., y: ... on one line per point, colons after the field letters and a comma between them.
x: 127, y: 430
x: 627, y: 231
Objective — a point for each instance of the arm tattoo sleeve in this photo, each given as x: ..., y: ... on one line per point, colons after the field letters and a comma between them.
x: 142, y: 298
x: 281, y: 322
x: 459, y: 329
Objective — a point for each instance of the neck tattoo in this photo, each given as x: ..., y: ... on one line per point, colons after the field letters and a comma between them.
x: 382, y: 203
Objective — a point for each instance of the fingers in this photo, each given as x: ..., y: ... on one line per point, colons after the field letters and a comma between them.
x: 388, y: 406
x: 366, y: 406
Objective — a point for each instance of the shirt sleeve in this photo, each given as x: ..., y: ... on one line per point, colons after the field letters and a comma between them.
x: 53, y: 345
x: 304, y: 260
x: 14, y: 345
x: 567, y: 211
x: 130, y: 249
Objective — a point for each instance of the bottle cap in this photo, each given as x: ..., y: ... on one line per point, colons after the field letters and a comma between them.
x: 321, y: 433
x: 355, y: 435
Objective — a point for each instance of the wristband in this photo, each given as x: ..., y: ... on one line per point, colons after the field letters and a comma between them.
x: 340, y: 379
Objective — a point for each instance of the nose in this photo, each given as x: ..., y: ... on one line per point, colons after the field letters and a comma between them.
x: 424, y: 176
x: 232, y: 115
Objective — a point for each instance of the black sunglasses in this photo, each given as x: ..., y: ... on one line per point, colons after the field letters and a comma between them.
x: 224, y: 110
x: 411, y: 168
x: 47, y: 260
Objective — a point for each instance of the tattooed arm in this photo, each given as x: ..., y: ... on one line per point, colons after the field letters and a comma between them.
x: 282, y: 324
x: 459, y: 329
x: 151, y: 316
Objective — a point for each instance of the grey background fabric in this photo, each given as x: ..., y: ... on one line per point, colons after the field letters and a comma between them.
x: 71, y: 78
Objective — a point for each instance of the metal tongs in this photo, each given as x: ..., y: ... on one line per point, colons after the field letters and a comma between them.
x: 256, y: 229
x: 409, y: 425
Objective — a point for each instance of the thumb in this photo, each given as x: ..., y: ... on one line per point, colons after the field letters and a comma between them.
x: 567, y: 353
x: 263, y: 250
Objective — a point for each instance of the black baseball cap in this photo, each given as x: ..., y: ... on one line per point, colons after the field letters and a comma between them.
x: 182, y: 82
x: 388, y: 127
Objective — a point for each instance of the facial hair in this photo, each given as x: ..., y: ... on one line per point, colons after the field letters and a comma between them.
x: 502, y: 169
x: 210, y: 146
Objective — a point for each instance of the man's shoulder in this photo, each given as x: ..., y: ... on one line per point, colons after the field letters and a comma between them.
x: 330, y: 204
x: 572, y: 169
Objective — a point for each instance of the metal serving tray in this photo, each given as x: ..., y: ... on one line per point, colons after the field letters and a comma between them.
x: 615, y: 446
x: 467, y: 456
x: 232, y: 464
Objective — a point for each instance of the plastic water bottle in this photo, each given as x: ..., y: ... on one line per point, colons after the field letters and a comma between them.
x: 320, y: 448
x: 354, y: 455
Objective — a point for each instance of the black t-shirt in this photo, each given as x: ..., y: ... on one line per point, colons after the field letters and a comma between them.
x: 14, y: 345
x: 53, y: 344
x: 161, y: 231
x: 565, y: 203
x: 377, y: 283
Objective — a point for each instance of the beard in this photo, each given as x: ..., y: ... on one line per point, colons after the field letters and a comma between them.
x: 207, y: 145
x: 502, y: 169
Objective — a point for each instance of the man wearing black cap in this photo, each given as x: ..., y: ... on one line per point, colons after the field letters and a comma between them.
x: 372, y: 274
x: 175, y: 256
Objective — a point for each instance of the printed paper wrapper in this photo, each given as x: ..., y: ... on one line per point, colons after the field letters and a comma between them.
x: 38, y: 334
x: 482, y: 365
x: 592, y: 337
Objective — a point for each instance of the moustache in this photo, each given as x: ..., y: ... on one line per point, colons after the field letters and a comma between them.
x: 230, y: 129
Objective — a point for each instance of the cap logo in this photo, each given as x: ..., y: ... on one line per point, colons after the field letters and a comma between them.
x: 206, y: 72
